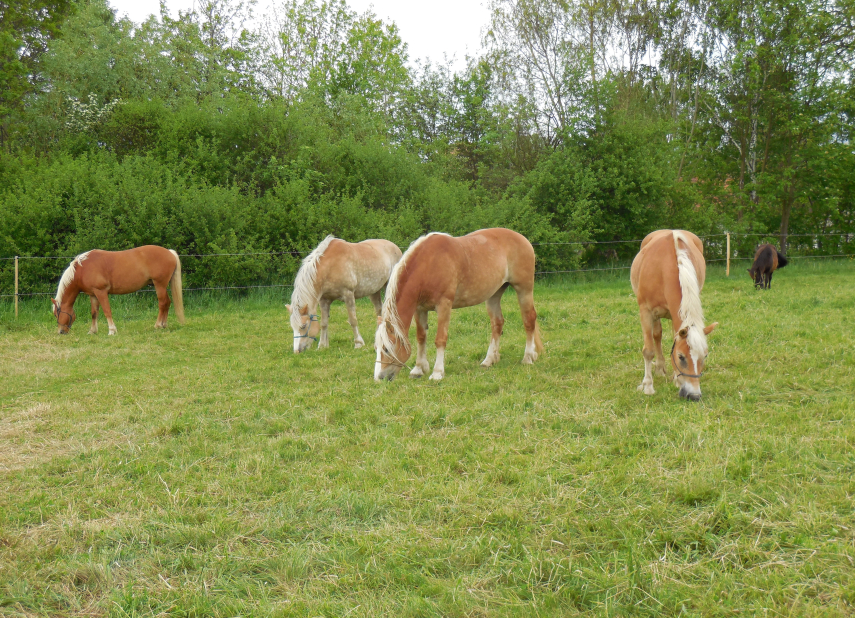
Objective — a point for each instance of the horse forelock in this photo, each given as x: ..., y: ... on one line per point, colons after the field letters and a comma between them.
x: 389, y: 313
x: 691, y: 312
x: 305, y: 292
x: 68, y: 276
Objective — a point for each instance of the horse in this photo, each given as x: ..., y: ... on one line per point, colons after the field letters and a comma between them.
x: 338, y: 270
x: 766, y: 261
x: 439, y: 273
x: 667, y: 277
x: 99, y: 273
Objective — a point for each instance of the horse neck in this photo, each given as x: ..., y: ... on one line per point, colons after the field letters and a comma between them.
x: 406, y: 303
x: 70, y: 295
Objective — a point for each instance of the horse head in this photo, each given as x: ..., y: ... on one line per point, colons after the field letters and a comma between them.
x: 688, y: 356
x: 64, y: 319
x: 393, y: 350
x: 305, y: 326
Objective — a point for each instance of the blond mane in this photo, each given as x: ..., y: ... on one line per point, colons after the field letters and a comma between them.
x: 389, y: 314
x: 691, y: 312
x: 304, y: 293
x: 68, y: 276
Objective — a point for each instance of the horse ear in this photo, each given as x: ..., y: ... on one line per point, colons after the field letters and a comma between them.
x: 710, y: 328
x: 53, y: 300
x: 748, y: 270
x: 304, y: 310
x: 288, y: 307
x: 684, y: 332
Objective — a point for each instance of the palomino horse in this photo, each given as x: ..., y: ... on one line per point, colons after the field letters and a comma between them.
x: 347, y: 271
x: 99, y: 273
x: 440, y: 273
x: 766, y: 261
x: 667, y: 277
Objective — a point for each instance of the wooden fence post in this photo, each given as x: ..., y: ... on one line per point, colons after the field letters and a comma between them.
x: 16, y: 287
x: 728, y: 255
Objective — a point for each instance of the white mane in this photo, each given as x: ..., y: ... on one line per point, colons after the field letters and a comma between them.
x: 691, y: 312
x: 389, y: 314
x: 68, y: 276
x: 304, y: 293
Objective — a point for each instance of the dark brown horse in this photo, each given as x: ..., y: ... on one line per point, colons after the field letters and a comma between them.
x: 99, y: 273
x: 766, y: 261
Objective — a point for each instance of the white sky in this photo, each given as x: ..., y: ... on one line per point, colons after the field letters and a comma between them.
x: 430, y: 29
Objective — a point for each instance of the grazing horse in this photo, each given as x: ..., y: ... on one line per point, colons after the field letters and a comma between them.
x: 99, y: 273
x: 440, y: 273
x: 766, y: 261
x: 338, y: 270
x: 667, y: 277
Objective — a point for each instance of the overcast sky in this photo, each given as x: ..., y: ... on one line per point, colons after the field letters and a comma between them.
x: 430, y: 29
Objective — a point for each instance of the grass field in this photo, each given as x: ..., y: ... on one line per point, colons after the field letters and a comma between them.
x: 208, y: 471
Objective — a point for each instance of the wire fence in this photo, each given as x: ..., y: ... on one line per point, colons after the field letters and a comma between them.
x: 603, y: 256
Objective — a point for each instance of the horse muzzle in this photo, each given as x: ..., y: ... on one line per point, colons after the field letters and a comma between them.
x: 687, y: 392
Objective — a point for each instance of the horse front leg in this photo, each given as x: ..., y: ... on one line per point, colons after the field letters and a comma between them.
x: 350, y: 302
x: 443, y: 318
x: 163, y: 306
x: 648, y: 352
x: 94, y: 304
x: 657, y: 345
x: 422, y: 365
x: 324, y: 339
x: 101, y: 295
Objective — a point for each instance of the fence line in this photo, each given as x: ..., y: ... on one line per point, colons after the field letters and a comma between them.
x: 534, y: 244
x: 728, y: 258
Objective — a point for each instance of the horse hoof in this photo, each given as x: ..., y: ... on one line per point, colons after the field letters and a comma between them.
x: 359, y: 344
x: 417, y: 373
x: 112, y: 333
x: 436, y: 376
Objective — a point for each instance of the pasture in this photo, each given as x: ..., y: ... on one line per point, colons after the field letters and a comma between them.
x: 208, y: 471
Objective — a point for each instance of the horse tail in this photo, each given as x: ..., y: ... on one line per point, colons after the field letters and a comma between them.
x: 175, y: 285
x: 538, y: 342
x: 782, y: 259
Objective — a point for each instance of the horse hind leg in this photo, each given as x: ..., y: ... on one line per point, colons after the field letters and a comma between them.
x: 350, y: 302
x: 422, y: 365
x: 657, y: 345
x: 533, y: 345
x: 497, y: 322
x: 163, y: 306
x: 376, y: 300
x: 648, y: 353
x: 93, y: 330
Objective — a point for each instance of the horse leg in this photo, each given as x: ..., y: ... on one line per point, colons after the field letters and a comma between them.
x: 324, y: 339
x: 351, y: 318
x: 101, y: 295
x: 422, y: 365
x: 443, y: 318
x: 525, y: 296
x: 378, y: 305
x: 163, y: 306
x: 94, y: 328
x: 657, y: 345
x: 497, y: 321
x: 647, y: 321
x: 769, y: 280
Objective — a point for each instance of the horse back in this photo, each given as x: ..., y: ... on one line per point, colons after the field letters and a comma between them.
x: 654, y: 275
x: 123, y: 272
x: 363, y: 267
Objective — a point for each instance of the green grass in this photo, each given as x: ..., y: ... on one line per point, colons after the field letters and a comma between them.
x: 208, y: 471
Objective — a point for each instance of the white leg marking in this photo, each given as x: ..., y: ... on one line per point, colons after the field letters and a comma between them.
x: 646, y: 385
x: 439, y: 365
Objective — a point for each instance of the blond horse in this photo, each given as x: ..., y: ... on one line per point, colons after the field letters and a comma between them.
x: 667, y: 277
x: 440, y: 273
x: 338, y: 270
x: 100, y: 273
